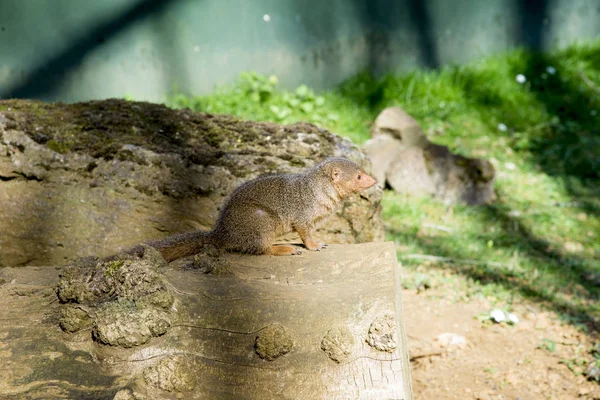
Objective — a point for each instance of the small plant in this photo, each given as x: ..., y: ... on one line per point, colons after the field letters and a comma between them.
x: 490, y: 370
x: 301, y: 101
x: 548, y: 345
x: 258, y: 88
x: 257, y: 97
x: 576, y: 364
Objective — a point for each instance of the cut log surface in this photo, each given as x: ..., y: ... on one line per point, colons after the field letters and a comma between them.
x: 321, y: 325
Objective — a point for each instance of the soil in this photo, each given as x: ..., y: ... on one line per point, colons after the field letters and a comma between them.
x: 498, y: 361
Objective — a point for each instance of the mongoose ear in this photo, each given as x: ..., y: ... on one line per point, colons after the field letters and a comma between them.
x: 336, y: 174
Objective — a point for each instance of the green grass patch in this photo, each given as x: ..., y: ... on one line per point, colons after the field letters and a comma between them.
x: 535, y: 116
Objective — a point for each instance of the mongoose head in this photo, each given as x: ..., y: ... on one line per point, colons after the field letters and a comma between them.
x: 346, y: 176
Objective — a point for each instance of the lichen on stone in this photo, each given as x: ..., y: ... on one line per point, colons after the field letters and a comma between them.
x: 382, y: 333
x: 128, y: 299
x: 74, y: 319
x: 173, y: 374
x: 90, y: 283
x: 273, y: 341
x: 123, y: 324
x: 337, y: 344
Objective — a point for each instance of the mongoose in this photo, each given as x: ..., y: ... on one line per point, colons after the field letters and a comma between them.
x: 260, y: 210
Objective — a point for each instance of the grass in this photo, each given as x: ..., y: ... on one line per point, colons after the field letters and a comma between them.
x: 535, y: 116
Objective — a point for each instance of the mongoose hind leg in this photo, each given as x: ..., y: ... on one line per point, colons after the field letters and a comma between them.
x: 248, y: 228
x: 283, y: 250
x: 305, y: 234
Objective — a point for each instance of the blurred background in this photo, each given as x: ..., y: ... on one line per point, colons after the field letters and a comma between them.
x: 65, y: 50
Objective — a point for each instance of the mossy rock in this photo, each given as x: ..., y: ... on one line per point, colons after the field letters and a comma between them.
x: 95, y: 177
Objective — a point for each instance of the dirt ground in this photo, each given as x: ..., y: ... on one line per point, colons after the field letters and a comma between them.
x: 524, y: 361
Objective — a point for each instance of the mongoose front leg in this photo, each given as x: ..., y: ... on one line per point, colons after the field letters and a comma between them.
x: 305, y: 233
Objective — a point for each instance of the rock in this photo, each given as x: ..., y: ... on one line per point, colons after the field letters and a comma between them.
x: 498, y: 315
x: 408, y: 173
x: 127, y: 302
x: 124, y: 394
x: 273, y: 342
x: 593, y: 370
x: 337, y: 344
x: 382, y: 333
x: 172, y: 374
x: 451, y: 341
x: 125, y: 325
x: 96, y: 177
x: 382, y: 150
x: 73, y: 319
x: 402, y: 155
x: 435, y: 171
x: 129, y: 280
x: 397, y: 123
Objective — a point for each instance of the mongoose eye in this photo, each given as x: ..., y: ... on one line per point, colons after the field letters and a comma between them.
x: 358, y: 177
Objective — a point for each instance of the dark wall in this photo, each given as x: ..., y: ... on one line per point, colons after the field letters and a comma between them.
x: 72, y: 50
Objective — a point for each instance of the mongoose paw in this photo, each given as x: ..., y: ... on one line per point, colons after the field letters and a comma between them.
x: 315, y: 246
x: 284, y: 250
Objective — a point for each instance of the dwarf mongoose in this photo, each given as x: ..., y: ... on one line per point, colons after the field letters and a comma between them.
x: 262, y: 209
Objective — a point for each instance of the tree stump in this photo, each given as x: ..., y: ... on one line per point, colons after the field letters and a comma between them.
x: 322, y: 325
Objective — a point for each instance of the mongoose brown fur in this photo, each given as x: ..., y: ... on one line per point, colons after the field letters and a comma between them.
x: 262, y: 209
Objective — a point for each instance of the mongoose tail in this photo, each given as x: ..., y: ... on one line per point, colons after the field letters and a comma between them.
x: 182, y: 244
x: 171, y: 248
